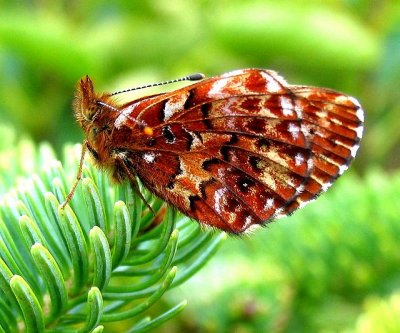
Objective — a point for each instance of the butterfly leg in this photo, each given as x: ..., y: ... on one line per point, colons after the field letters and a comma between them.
x: 78, y: 176
x: 120, y: 159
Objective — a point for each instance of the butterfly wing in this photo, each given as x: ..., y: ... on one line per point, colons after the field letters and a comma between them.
x: 238, y: 150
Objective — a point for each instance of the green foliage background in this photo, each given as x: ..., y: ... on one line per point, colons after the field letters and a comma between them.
x: 332, y: 266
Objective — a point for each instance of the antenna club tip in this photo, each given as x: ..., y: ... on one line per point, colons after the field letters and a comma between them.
x: 196, y: 77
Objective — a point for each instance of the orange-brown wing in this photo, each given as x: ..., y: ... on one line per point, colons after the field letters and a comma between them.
x: 241, y: 149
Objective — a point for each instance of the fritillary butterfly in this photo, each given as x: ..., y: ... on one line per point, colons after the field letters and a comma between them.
x: 233, y: 151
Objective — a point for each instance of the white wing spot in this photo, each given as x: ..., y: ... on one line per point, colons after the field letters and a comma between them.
x: 326, y: 186
x: 149, y: 157
x: 354, y: 101
x: 279, y: 213
x: 269, y: 203
x: 360, y: 114
x: 299, y: 111
x: 196, y: 142
x: 272, y: 84
x: 310, y: 164
x: 175, y: 104
x: 304, y: 203
x: 124, y: 115
x: 287, y: 106
x: 219, y: 199
x: 300, y: 189
x: 343, y: 168
x: 248, y: 221
x: 294, y: 130
x: 216, y: 89
x: 298, y: 159
x: 359, y: 131
x: 353, y: 150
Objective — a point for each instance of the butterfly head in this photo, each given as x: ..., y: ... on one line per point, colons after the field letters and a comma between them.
x: 85, y: 107
x: 89, y: 107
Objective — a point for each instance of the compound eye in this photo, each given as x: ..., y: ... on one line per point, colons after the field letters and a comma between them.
x: 90, y: 112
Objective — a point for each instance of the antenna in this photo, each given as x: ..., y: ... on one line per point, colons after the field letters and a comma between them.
x: 192, y: 77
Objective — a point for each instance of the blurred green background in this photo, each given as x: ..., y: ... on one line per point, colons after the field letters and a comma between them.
x: 334, y: 266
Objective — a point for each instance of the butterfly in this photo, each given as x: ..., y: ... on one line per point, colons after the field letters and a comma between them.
x: 233, y: 152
